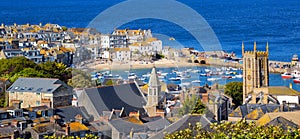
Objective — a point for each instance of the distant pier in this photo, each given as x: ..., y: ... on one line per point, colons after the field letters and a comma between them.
x: 274, y: 66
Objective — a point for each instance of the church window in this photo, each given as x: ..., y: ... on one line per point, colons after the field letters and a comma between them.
x: 249, y: 63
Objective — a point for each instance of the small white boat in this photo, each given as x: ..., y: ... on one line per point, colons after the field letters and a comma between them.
x: 296, y: 74
x: 142, y: 78
x: 185, y: 84
x: 207, y: 70
x: 132, y: 76
x: 297, y: 80
x: 196, y: 71
x: 286, y: 75
x: 227, y: 77
x: 146, y: 75
x: 234, y: 69
x: 161, y: 77
x: 212, y: 79
x: 203, y: 74
x: 174, y: 79
x: 164, y: 74
x: 189, y: 70
x: 239, y: 76
x: 196, y: 81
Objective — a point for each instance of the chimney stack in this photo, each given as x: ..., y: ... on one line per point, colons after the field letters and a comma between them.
x: 68, y: 130
x: 74, y: 101
x: 79, y: 118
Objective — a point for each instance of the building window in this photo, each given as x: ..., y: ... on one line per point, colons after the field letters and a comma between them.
x: 38, y: 93
x: 38, y: 103
x: 249, y: 63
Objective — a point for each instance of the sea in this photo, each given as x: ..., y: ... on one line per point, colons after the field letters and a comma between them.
x: 232, y: 21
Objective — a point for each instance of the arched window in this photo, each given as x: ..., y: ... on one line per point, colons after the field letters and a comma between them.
x: 249, y: 63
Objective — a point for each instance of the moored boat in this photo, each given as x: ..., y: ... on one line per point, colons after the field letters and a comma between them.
x: 297, y: 80
x: 296, y: 74
x: 174, y: 79
x: 132, y: 76
x: 227, y: 77
x: 286, y: 75
x: 196, y: 81
x: 239, y: 76
x: 212, y: 79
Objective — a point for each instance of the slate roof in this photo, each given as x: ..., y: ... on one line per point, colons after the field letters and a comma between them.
x: 158, y: 124
x: 282, y: 122
x: 291, y: 116
x: 107, y: 98
x: 7, y: 131
x: 184, y: 123
x: 101, y: 126
x: 153, y: 80
x: 46, y: 128
x: 126, y: 127
x: 254, y: 111
x: 68, y: 113
x: 45, y: 85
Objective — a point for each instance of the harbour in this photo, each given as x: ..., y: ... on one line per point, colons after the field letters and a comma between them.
x: 198, y: 76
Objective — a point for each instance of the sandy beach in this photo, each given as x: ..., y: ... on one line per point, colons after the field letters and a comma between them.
x: 163, y: 63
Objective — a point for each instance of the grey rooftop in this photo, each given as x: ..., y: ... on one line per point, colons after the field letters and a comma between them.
x: 45, y: 85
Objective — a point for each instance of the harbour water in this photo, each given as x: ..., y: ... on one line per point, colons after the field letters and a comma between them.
x: 233, y: 21
x: 275, y: 79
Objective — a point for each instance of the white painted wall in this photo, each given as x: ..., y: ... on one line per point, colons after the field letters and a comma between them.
x: 288, y: 99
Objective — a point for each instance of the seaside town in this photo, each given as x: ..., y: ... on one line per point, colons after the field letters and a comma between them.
x: 63, y: 82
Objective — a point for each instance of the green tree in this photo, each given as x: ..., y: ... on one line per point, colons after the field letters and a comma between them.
x: 22, y: 67
x: 159, y: 56
x: 9, y: 67
x: 109, y: 82
x: 2, y: 99
x: 27, y: 72
x: 192, y: 105
x: 235, y: 91
x: 239, y: 130
x: 199, y: 107
x: 64, y: 28
x: 56, y: 70
x: 80, y: 79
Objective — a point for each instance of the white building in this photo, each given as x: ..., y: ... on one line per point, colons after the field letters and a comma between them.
x: 105, y: 39
x: 121, y: 54
x: 151, y: 46
x: 134, y: 36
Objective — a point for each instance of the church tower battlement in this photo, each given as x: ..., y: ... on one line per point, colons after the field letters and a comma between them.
x: 255, y: 70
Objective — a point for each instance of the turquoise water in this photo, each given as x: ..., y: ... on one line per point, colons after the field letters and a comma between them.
x: 233, y: 21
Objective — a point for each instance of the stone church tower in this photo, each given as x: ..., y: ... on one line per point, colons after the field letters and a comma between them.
x: 154, y: 88
x: 255, y: 70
